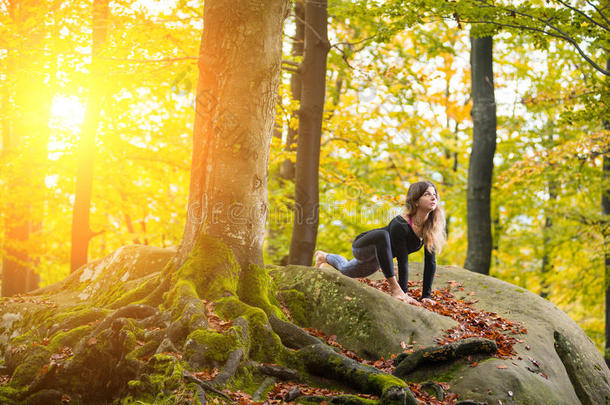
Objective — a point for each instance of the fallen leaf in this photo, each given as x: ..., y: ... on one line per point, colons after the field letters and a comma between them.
x: 502, y: 366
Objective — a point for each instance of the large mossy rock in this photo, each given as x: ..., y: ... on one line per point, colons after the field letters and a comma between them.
x: 364, y: 319
x: 555, y: 364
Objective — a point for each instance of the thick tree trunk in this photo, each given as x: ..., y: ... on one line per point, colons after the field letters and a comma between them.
x: 313, y: 91
x: 25, y: 149
x: 606, y: 212
x: 480, y: 171
x: 81, y: 232
x: 236, y: 96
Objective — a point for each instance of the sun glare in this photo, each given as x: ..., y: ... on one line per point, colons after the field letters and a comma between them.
x: 67, y: 112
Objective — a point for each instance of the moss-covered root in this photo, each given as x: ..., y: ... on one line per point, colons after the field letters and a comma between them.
x: 320, y: 359
x: 338, y: 400
x: 581, y: 379
x: 291, y: 335
x: 406, y: 363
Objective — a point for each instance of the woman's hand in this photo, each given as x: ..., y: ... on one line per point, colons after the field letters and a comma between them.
x: 428, y: 301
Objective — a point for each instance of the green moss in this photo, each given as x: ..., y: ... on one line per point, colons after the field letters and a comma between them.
x: 212, y: 346
x: 138, y: 294
x: 343, y: 399
x: 386, y: 381
x: 449, y: 374
x: 245, y: 381
x: 160, y: 383
x: 181, y: 293
x: 256, y: 288
x: 68, y: 338
x: 231, y: 307
x: 296, y: 302
x: 264, y: 345
x: 212, y: 268
x: 25, y: 372
x: 9, y: 394
x: 73, y: 317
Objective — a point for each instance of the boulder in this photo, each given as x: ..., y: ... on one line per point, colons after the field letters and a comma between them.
x: 556, y: 362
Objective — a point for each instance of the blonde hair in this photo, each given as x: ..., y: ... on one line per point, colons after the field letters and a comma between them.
x: 434, y: 227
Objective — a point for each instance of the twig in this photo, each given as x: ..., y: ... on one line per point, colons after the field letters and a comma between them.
x: 205, y: 385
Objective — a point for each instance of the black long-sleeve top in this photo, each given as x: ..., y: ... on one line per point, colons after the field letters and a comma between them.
x: 403, y: 241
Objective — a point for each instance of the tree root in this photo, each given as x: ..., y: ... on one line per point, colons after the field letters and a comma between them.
x: 406, y: 363
x: 291, y: 335
x: 205, y: 385
x: 267, y: 382
x: 320, y: 359
x: 280, y: 372
x: 439, y: 393
x: 338, y: 400
x: 228, y: 371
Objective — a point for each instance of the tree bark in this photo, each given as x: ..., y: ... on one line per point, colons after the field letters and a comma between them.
x: 234, y: 119
x: 480, y: 170
x: 606, y: 213
x: 25, y: 138
x: 313, y: 91
x: 81, y: 232
x: 287, y: 169
x: 547, y: 231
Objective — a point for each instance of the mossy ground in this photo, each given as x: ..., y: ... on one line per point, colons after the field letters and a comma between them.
x: 118, y: 363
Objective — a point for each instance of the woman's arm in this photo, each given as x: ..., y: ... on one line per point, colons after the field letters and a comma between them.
x: 402, y: 257
x: 429, y: 271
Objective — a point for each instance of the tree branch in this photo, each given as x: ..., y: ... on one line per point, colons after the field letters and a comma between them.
x: 168, y: 60
x: 598, y: 11
x: 565, y: 37
x: 583, y: 14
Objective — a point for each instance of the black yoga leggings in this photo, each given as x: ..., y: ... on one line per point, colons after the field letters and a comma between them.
x: 380, y: 239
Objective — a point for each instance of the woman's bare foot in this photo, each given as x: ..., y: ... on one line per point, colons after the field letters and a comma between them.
x: 412, y: 301
x: 404, y: 297
x: 320, y: 258
x: 399, y: 294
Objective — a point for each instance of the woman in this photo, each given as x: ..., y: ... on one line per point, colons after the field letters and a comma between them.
x: 421, y: 224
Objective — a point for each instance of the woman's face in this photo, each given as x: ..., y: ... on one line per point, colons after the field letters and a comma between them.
x: 429, y: 200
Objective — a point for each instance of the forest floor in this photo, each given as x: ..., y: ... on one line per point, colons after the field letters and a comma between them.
x: 472, y: 323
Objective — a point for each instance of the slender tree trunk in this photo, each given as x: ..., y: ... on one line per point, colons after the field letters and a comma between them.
x: 480, y: 171
x: 547, y: 231
x: 277, y: 225
x: 25, y: 138
x: 81, y: 232
x: 606, y: 213
x: 313, y: 91
x: 287, y: 170
x: 235, y: 113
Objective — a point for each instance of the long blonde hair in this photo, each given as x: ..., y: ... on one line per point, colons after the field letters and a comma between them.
x: 434, y: 227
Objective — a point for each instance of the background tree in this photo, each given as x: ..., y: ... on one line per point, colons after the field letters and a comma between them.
x: 480, y: 170
x: 27, y: 104
x: 81, y: 232
x: 311, y: 110
x: 606, y: 235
